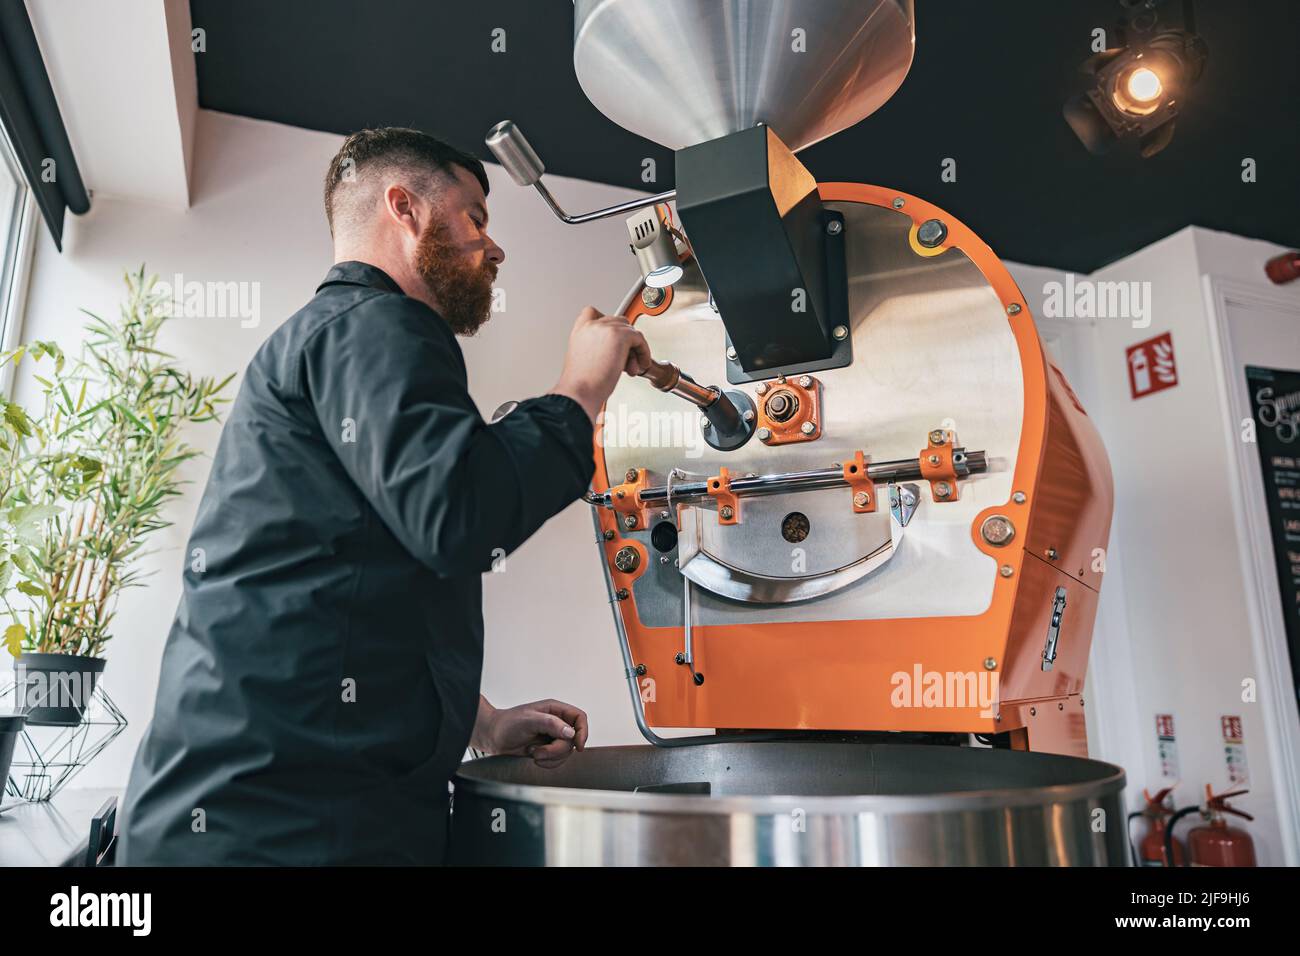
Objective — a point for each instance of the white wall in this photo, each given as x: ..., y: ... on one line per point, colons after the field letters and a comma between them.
x: 1188, y: 607
x: 257, y: 217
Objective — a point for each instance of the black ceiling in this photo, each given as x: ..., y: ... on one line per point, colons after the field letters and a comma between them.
x: 986, y: 89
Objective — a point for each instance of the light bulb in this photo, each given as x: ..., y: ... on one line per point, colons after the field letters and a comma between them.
x: 1144, y: 85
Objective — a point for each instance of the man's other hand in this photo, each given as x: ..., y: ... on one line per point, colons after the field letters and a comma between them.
x: 601, y: 347
x: 546, y: 730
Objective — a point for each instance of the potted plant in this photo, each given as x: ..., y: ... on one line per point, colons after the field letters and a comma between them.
x: 86, y: 484
x: 14, y: 427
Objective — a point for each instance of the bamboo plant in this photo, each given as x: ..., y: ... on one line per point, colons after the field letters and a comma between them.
x: 87, y: 480
x: 20, y: 521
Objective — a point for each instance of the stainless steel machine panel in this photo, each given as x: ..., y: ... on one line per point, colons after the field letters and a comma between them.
x: 791, y: 803
x: 932, y: 348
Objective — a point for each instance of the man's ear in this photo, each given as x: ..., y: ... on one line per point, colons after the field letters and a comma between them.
x: 400, y: 207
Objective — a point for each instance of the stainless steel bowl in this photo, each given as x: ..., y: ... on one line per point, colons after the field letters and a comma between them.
x: 791, y: 803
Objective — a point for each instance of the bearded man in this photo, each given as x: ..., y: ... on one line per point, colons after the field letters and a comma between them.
x: 320, y: 682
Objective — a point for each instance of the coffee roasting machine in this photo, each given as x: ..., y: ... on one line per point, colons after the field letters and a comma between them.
x: 867, y: 555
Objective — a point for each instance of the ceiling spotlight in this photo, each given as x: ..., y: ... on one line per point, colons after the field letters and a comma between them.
x: 652, y: 242
x: 1134, y: 90
x: 1142, y: 85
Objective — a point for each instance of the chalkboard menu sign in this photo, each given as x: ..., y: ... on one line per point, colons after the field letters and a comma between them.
x: 1275, y: 404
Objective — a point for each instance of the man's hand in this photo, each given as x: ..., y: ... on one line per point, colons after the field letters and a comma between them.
x: 546, y: 730
x: 600, y: 348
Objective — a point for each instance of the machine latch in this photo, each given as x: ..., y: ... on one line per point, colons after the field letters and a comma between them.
x: 902, y: 502
x: 1054, y: 629
x: 728, y: 501
x: 939, y: 465
x: 860, y: 483
x: 625, y: 499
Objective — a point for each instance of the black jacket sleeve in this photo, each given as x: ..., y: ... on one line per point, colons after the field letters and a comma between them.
x: 387, y: 382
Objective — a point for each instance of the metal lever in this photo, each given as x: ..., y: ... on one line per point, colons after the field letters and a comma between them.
x: 729, y: 417
x: 518, y: 158
x: 687, y: 655
x: 667, y: 377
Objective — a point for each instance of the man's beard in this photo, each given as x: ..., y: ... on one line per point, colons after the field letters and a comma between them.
x: 463, y: 291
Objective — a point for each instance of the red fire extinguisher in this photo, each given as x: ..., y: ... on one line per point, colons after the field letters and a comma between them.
x: 1151, y: 851
x: 1215, y: 843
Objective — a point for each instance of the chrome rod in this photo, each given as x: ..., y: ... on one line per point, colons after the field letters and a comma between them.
x: 688, y: 654
x: 624, y: 207
x: 518, y: 158
x: 905, y: 469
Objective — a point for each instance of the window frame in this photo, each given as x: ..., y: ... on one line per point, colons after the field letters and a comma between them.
x: 16, y: 251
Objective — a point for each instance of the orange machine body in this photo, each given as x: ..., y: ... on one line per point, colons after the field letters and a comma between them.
x: 842, y: 675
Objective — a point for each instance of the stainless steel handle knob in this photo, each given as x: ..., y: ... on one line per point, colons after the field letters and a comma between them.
x: 514, y: 153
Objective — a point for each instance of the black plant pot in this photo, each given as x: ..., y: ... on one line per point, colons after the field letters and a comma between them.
x: 54, y: 689
x: 11, y: 725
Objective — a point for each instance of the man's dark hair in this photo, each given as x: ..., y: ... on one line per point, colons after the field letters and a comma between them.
x: 369, y: 153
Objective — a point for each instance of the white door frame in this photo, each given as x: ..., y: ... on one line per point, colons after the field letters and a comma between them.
x: 1255, y: 552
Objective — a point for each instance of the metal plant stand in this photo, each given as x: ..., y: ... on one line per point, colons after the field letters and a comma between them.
x: 48, y: 757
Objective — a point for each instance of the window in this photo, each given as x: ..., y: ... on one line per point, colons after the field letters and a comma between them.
x: 17, y: 212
